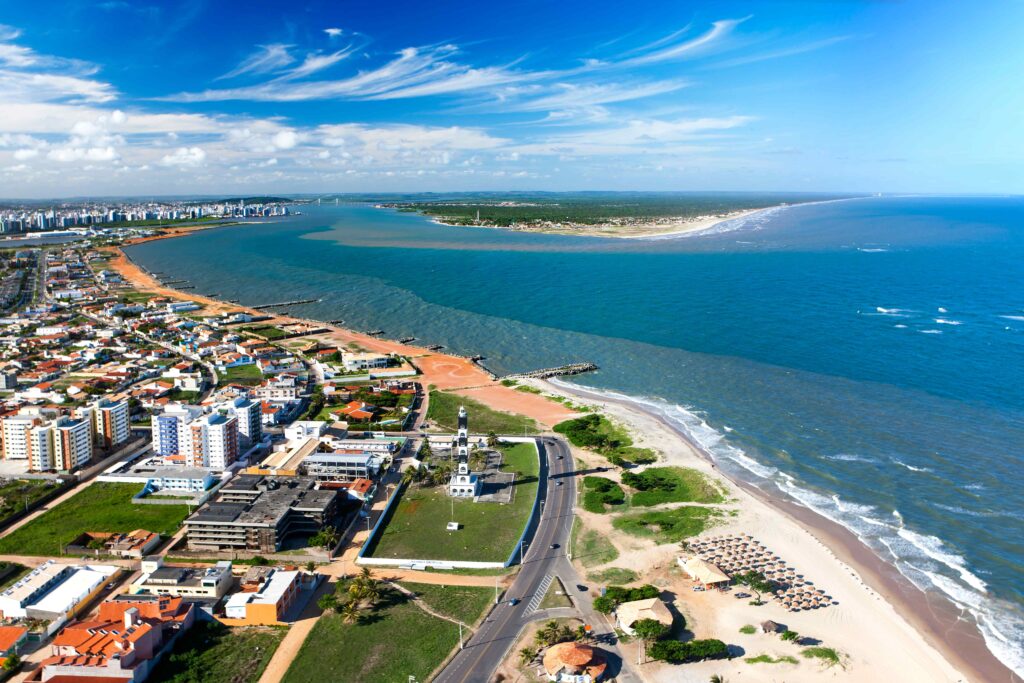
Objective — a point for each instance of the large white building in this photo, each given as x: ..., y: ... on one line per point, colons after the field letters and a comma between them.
x: 249, y: 416
x: 356, y: 361
x: 45, y: 445
x: 109, y: 420
x: 202, y: 440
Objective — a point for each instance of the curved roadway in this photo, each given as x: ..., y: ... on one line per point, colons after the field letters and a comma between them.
x: 488, y: 647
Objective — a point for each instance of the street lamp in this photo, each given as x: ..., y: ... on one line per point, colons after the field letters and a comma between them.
x: 522, y: 551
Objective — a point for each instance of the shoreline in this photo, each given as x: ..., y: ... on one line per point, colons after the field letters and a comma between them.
x: 676, y: 228
x: 935, y: 623
x: 935, y: 619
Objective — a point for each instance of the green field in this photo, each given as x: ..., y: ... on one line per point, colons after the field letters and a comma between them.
x: 657, y: 485
x: 248, y: 375
x: 416, y: 529
x: 667, y: 526
x: 444, y: 411
x: 213, y: 653
x: 614, y: 575
x: 591, y: 548
x: 465, y: 603
x: 99, y: 507
x: 268, y: 332
x: 599, y: 492
x: 393, y: 642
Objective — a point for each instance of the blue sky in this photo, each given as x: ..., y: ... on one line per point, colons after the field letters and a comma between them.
x: 188, y: 96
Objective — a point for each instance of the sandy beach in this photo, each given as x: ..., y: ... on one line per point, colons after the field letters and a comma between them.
x: 667, y: 227
x: 881, y: 622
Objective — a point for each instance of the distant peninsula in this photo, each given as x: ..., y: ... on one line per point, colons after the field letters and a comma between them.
x: 611, y: 214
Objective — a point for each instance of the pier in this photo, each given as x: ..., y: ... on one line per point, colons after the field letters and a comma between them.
x: 570, y: 369
x: 335, y: 322
x: 187, y: 287
x: 173, y: 282
x: 435, y: 347
x: 286, y: 303
x: 406, y: 340
x: 375, y: 333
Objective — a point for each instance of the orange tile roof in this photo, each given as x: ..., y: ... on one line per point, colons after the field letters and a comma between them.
x: 10, y: 635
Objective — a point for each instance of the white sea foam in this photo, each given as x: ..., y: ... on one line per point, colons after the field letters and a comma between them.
x: 947, y: 321
x: 1018, y: 318
x: 894, y: 312
x: 900, y: 326
x: 872, y: 250
x: 850, y: 457
x: 923, y: 559
x: 940, y: 309
x: 912, y: 468
x: 930, y: 331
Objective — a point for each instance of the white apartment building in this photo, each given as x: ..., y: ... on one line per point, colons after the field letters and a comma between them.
x: 250, y: 419
x: 109, y: 422
x: 213, y: 442
x: 64, y: 444
x: 72, y: 444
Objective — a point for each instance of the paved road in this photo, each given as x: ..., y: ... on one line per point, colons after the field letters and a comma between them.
x: 488, y: 647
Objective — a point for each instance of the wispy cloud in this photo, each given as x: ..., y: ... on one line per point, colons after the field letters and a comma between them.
x: 28, y: 76
x: 266, y: 59
x: 782, y: 52
x: 333, y: 32
x: 662, y: 51
x: 439, y: 70
x: 315, y: 62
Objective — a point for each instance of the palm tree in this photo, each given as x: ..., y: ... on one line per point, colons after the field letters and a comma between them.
x: 527, y: 654
x: 716, y: 678
x: 350, y: 613
x: 492, y: 439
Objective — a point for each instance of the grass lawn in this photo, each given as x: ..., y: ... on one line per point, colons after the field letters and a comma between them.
x: 592, y: 549
x: 240, y: 374
x: 15, y: 493
x: 268, y: 332
x: 555, y: 596
x: 99, y: 507
x: 667, y: 526
x: 465, y: 603
x: 444, y: 410
x: 213, y: 653
x: 394, y: 641
x: 416, y: 530
x: 11, y: 573
x: 615, y: 576
x: 658, y: 485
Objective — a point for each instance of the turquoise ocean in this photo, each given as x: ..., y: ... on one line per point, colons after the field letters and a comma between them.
x: 864, y: 357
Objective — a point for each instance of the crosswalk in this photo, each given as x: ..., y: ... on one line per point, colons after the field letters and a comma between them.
x: 539, y: 595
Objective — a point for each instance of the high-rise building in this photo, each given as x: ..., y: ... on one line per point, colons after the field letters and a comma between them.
x: 110, y: 422
x: 201, y: 440
x: 250, y: 419
x: 72, y: 444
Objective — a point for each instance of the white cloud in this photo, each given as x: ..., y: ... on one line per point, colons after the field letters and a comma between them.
x: 719, y: 29
x: 26, y: 153
x: 315, y: 62
x: 185, y: 156
x: 266, y: 59
x: 333, y: 32
x: 72, y: 153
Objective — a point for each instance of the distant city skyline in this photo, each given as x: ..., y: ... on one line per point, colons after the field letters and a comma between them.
x: 195, y: 97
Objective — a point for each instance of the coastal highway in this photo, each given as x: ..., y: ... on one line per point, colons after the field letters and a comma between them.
x: 489, y: 646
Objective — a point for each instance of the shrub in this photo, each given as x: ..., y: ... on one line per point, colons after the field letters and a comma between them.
x: 676, y: 652
x: 828, y: 656
x: 601, y: 492
x: 748, y: 629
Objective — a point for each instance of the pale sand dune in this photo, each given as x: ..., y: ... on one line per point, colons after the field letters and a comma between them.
x: 880, y: 643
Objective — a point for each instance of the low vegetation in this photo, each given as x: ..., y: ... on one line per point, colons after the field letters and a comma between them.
x: 103, y: 507
x: 748, y: 629
x: 213, y: 653
x: 616, y: 575
x: 268, y: 332
x: 676, y: 652
x: 597, y: 433
x: 390, y: 641
x: 657, y: 485
x: 17, y: 495
x: 593, y: 549
x: 600, y: 492
x: 248, y: 375
x: 829, y: 657
x: 444, y: 411
x: 667, y: 526
x: 768, y: 659
x: 555, y: 596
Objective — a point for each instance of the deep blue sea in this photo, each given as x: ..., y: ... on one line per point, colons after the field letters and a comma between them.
x: 865, y: 357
